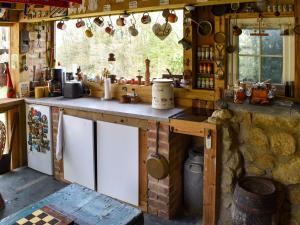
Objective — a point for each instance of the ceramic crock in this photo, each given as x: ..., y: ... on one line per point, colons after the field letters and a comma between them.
x: 162, y: 94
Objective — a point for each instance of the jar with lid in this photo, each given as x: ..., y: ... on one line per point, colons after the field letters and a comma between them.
x: 207, y: 52
x: 204, y: 68
x: 202, y: 82
x: 206, y: 82
x: 239, y: 94
x: 198, y: 82
x: 208, y: 68
x: 202, y: 53
x: 211, y: 53
x: 201, y: 68
x: 211, y: 83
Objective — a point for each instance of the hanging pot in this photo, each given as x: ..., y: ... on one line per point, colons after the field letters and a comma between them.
x: 230, y: 47
x: 204, y: 28
x: 219, y: 10
x: 157, y: 165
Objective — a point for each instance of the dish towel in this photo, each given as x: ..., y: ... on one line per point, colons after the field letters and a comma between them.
x: 59, y: 139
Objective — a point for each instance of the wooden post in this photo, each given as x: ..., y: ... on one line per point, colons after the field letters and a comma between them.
x: 297, y: 47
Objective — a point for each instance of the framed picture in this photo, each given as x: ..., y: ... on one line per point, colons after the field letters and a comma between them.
x: 24, y: 89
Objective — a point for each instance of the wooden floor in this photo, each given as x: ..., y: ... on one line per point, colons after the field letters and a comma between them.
x: 25, y: 186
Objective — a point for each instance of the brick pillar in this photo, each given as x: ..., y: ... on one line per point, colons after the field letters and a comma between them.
x: 58, y: 165
x: 165, y: 195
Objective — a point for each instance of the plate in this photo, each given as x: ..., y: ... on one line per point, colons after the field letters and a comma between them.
x: 220, y: 37
x: 204, y: 28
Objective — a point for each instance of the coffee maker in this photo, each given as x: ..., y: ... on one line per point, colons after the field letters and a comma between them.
x: 57, y: 82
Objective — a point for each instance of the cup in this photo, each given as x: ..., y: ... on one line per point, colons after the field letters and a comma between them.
x: 89, y: 33
x: 121, y: 21
x: 39, y: 92
x: 185, y: 43
x: 80, y: 23
x: 146, y: 19
x: 46, y: 91
x: 99, y: 21
x: 132, y: 30
x: 172, y: 17
x: 109, y: 29
x: 61, y: 25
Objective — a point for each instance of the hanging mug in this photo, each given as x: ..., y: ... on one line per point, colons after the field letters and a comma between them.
x: 146, y: 19
x: 121, y: 21
x: 99, y: 21
x: 172, y: 17
x: 80, y: 23
x: 89, y: 33
x: 133, y: 31
x: 109, y: 29
x: 61, y: 25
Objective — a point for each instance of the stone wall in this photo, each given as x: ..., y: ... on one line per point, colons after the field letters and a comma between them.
x: 261, y: 143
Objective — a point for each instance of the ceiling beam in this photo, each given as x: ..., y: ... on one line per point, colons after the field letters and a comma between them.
x: 56, y: 3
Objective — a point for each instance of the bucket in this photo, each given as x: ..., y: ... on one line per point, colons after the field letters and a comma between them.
x: 162, y: 94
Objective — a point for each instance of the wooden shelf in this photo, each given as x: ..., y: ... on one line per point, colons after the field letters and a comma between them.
x: 256, y: 14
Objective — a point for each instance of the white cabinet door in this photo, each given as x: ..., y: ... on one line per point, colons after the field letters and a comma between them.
x: 118, y: 161
x: 78, y: 151
x: 39, y: 138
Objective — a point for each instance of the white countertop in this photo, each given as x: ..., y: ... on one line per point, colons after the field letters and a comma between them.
x: 112, y: 107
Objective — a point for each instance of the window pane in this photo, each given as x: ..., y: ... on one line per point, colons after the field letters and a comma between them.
x: 272, y: 44
x: 248, y: 68
x: 73, y: 47
x: 248, y: 45
x: 272, y: 69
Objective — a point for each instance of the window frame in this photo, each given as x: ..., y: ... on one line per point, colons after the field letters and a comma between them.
x: 288, y: 55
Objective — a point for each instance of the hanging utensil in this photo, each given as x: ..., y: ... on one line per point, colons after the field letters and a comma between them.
x: 220, y: 37
x: 230, y: 47
x: 219, y: 10
x: 157, y: 165
x: 297, y: 27
x: 236, y: 30
x: 204, y: 28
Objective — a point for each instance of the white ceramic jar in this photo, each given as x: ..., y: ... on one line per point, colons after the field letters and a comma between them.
x: 162, y: 94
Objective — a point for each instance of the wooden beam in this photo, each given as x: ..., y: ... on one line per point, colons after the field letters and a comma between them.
x: 297, y: 55
x: 57, y: 3
x: 148, y: 6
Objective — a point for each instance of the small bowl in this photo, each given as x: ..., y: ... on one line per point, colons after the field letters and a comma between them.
x: 125, y: 99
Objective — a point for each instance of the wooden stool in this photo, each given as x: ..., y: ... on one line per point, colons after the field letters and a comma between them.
x: 2, y: 204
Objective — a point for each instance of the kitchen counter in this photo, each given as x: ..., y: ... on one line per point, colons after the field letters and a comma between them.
x: 112, y: 107
x: 8, y: 103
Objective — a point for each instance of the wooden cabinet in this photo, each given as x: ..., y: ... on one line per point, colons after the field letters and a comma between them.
x: 118, y: 161
x: 78, y: 151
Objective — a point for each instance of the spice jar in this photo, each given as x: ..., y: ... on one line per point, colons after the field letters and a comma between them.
x: 239, y: 95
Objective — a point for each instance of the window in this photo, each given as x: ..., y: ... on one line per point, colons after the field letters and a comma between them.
x: 261, y: 58
x: 73, y: 48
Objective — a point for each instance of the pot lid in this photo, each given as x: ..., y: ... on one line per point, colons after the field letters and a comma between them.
x: 162, y: 81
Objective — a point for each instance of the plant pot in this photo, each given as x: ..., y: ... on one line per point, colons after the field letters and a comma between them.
x: 5, y: 163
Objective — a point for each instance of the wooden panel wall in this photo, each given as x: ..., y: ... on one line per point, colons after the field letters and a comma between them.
x: 297, y: 55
